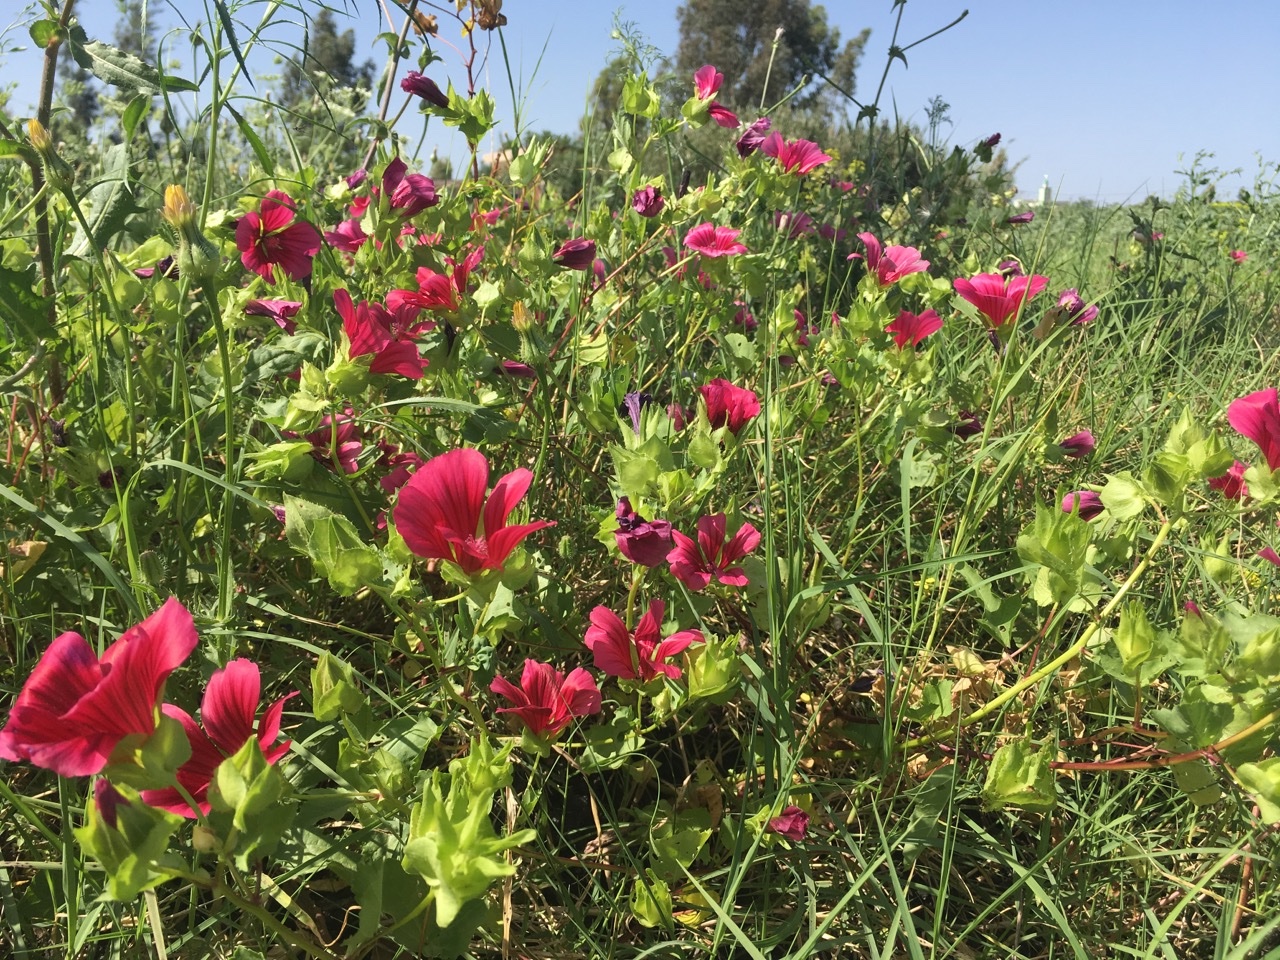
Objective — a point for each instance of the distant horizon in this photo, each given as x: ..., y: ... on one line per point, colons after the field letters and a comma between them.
x: 1109, y: 118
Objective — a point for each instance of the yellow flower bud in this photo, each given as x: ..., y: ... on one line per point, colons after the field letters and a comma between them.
x: 40, y: 138
x: 178, y: 210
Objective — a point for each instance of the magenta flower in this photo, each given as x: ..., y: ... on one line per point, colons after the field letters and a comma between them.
x: 646, y: 542
x: 1239, y: 256
x: 723, y: 116
x: 281, y: 311
x: 1078, y: 444
x: 753, y: 137
x: 1257, y: 416
x: 1269, y: 555
x: 348, y: 236
x: 694, y: 563
x: 794, y: 156
x: 402, y: 464
x: 639, y: 656
x: 75, y: 708
x: 439, y: 291
x: 547, y: 701
x: 793, y: 824
x: 227, y: 712
x: 794, y: 225
x: 647, y: 201
x: 409, y: 193
x: 1231, y: 484
x: 991, y: 141
x: 713, y: 241
x: 1085, y: 502
x: 999, y: 298
x: 422, y: 86
x: 706, y: 82
x: 1025, y: 217
x: 274, y: 235
x: 909, y: 328
x: 891, y: 264
x: 386, y: 335
x: 576, y: 254
x: 336, y: 442
x: 729, y: 405
x: 443, y: 514
x: 1073, y: 307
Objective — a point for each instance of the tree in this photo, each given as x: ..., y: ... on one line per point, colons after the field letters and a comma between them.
x: 738, y: 40
x: 327, y: 55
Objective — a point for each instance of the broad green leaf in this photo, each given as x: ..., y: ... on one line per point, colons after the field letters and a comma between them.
x: 24, y: 310
x: 650, y: 901
x: 335, y: 689
x: 1123, y: 496
x: 1262, y: 780
x: 117, y: 68
x: 1135, y: 637
x: 1020, y: 776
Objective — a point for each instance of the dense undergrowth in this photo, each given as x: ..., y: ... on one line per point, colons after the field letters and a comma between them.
x: 810, y: 559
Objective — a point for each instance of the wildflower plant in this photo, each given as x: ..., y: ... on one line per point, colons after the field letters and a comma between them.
x: 607, y: 569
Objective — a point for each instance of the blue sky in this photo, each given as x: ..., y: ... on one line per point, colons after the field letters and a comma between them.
x: 1100, y: 97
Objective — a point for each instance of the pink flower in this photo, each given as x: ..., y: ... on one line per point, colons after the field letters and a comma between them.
x: 387, y: 336
x: 75, y: 708
x: 1231, y: 484
x: 647, y: 201
x: 1072, y: 306
x: 443, y: 514
x: 273, y: 235
x: 969, y: 424
x: 794, y: 156
x: 793, y: 824
x: 1078, y: 444
x: 646, y: 542
x: 1257, y: 416
x: 639, y: 656
x: 336, y: 442
x: 909, y: 328
x: 729, y: 405
x: 891, y: 264
x: 753, y: 137
x: 713, y: 241
x: 1086, y: 502
x: 724, y: 116
x: 576, y: 254
x: 281, y: 311
x: 421, y: 86
x: 439, y: 291
x: 1025, y: 217
x: 409, y: 194
x: 402, y: 467
x: 706, y: 82
x: 227, y: 713
x: 348, y: 236
x: 695, y: 563
x: 999, y: 298
x: 1239, y: 256
x: 547, y: 701
x: 794, y: 225
x: 1269, y: 555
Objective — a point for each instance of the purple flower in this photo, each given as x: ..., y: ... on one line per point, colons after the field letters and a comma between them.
x: 646, y: 542
x: 632, y: 404
x: 1078, y: 445
x: 1074, y: 308
x: 968, y: 425
x: 1085, y: 502
x: 753, y: 137
x: 424, y: 87
x: 410, y: 194
x: 355, y: 179
x: 281, y: 311
x: 1025, y: 217
x: 576, y: 254
x: 992, y: 140
x: 792, y: 824
x: 1010, y: 268
x: 647, y: 201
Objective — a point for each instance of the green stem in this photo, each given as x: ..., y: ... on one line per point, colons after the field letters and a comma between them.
x: 1057, y: 662
x: 226, y: 565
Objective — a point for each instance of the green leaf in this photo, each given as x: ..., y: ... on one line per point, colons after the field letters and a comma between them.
x: 1020, y: 776
x: 229, y: 28
x: 1123, y: 496
x: 45, y: 32
x: 1059, y: 543
x: 132, y: 851
x: 133, y: 114
x: 333, y: 544
x: 255, y: 142
x: 639, y: 97
x: 650, y: 901
x: 334, y: 689
x: 245, y: 785
x: 110, y: 203
x: 1134, y: 638
x: 22, y: 307
x: 1262, y: 780
x: 117, y: 68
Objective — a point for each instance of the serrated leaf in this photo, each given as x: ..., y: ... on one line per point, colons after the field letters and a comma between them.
x: 24, y: 310
x: 117, y: 68
x: 111, y: 202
